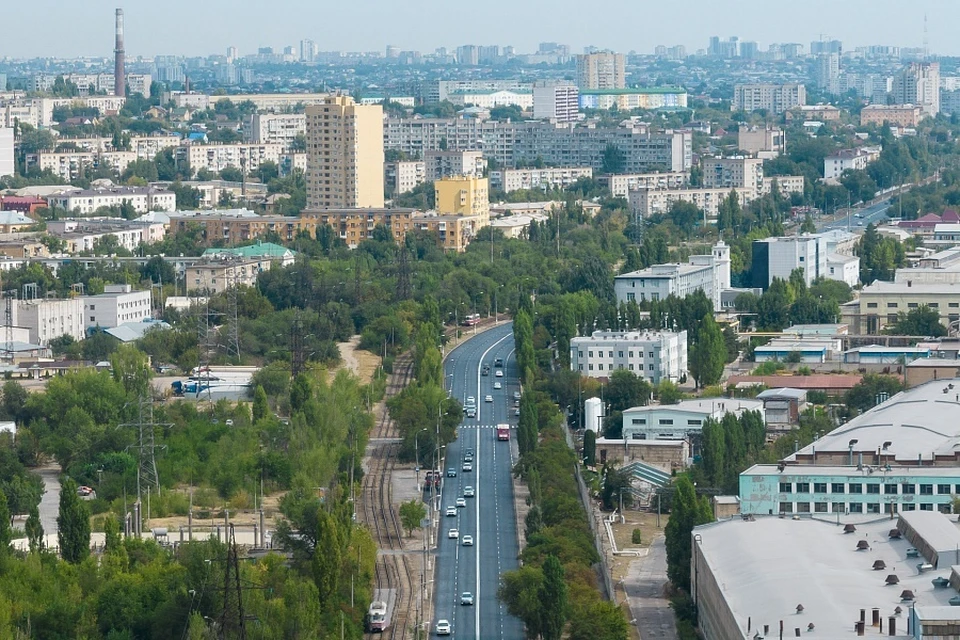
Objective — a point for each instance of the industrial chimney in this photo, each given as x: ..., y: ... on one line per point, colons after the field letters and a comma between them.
x: 119, y: 82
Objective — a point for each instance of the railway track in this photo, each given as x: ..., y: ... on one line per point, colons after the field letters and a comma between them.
x: 393, y: 570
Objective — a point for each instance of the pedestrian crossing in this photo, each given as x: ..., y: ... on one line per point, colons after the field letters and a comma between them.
x: 484, y: 426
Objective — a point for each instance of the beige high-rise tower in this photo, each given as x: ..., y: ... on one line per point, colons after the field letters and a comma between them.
x: 344, y: 154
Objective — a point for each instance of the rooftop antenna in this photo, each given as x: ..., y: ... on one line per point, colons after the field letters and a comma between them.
x: 926, y: 38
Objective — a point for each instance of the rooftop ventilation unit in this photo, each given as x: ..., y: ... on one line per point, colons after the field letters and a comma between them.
x: 863, y: 545
x: 907, y: 595
x: 879, y: 565
x: 892, y: 579
x: 894, y: 534
x: 849, y: 528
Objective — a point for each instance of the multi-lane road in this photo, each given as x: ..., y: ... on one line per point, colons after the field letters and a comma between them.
x: 874, y: 214
x: 489, y: 517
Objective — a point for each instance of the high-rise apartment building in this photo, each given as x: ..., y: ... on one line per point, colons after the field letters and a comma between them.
x: 6, y: 152
x: 775, y: 98
x: 818, y: 47
x: 344, y: 154
x: 559, y: 102
x: 828, y: 73
x: 919, y: 84
x: 604, y: 70
x: 463, y: 196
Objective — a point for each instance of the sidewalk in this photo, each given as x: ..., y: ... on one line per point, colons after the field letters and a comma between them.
x: 644, y: 586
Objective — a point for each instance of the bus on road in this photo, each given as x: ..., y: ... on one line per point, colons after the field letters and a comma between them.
x: 503, y: 432
x: 471, y: 320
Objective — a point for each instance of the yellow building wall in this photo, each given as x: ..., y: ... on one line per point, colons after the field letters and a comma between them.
x: 463, y: 196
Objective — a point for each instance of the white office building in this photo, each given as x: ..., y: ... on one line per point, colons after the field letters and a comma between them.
x: 6, y: 152
x: 654, y: 356
x: 142, y: 199
x: 682, y: 420
x: 710, y: 274
x: 816, y: 255
x: 118, y: 304
x: 559, y: 102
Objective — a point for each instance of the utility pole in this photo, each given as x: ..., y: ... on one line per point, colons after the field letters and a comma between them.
x: 148, y: 478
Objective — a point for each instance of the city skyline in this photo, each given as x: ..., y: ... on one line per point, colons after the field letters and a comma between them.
x: 181, y: 28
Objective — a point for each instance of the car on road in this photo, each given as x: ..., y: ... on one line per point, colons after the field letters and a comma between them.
x: 497, y: 385
x: 516, y: 411
x: 451, y: 511
x: 467, y: 467
x: 460, y: 503
x: 469, y: 452
x: 498, y: 362
x: 860, y: 224
x: 858, y: 215
x: 499, y: 373
x: 453, y: 533
x: 451, y: 473
x: 471, y: 412
x: 468, y: 541
x: 468, y: 457
x: 488, y: 399
x: 485, y: 372
x: 471, y: 402
x: 466, y: 599
x: 468, y: 492
x: 443, y: 627
x: 516, y: 395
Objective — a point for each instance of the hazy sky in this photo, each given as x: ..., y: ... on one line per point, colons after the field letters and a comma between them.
x: 197, y: 27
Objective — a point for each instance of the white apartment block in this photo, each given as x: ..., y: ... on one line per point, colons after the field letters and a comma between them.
x: 491, y: 99
x: 785, y: 184
x: 118, y: 304
x: 774, y: 98
x: 682, y: 420
x: 848, y: 159
x: 69, y: 165
x: 621, y: 184
x: 651, y: 202
x: 508, y: 180
x: 653, y: 356
x: 11, y: 113
x: 87, y: 201
x: 403, y: 176
x: 556, y: 101
x: 710, y: 274
x: 7, y: 166
x: 727, y: 173
x: 273, y: 102
x: 440, y: 90
x: 47, y: 319
x: 81, y: 236
x: 218, y: 274
x: 217, y: 157
x: 274, y: 128
x: 446, y: 164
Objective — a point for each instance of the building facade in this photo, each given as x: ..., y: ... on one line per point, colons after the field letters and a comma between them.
x: 275, y: 128
x: 49, y: 319
x: 403, y: 176
x: 651, y: 202
x: 918, y: 84
x: 118, y: 304
x: 634, y: 98
x: 604, y: 70
x: 142, y: 199
x: 216, y: 275
x: 7, y: 166
x: 774, y: 98
x: 508, y: 180
x: 463, y: 196
x: 446, y: 164
x: 766, y: 143
x: 710, y: 274
x: 621, y: 184
x: 651, y: 356
x: 881, y: 302
x: 558, y: 102
x: 898, y: 115
x: 682, y: 420
x: 344, y: 154
x: 735, y: 172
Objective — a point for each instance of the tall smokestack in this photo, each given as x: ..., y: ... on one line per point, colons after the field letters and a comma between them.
x: 119, y: 82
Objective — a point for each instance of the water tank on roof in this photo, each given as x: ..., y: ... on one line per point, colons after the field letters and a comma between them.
x: 593, y: 412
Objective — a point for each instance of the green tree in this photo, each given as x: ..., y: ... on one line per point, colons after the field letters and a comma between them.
x: 73, y: 524
x: 327, y: 558
x: 553, y: 599
x: 668, y: 392
x: 614, y: 159
x: 131, y: 368
x: 709, y: 354
x: 6, y: 535
x: 808, y: 226
x: 626, y: 390
x: 870, y: 390
x: 412, y: 514
x: 687, y: 511
x: 34, y: 530
x: 686, y: 216
x: 300, y: 392
x: 589, y: 447
x: 111, y: 530
x: 921, y: 321
x: 261, y: 406
x: 520, y: 591
x: 527, y: 426
x: 599, y: 620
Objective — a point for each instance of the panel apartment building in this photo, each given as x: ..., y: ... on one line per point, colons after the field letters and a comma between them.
x: 344, y: 154
x: 774, y: 98
x: 565, y: 145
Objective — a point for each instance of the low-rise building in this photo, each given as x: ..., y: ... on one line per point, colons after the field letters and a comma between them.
x: 653, y: 356
x: 517, y: 226
x: 82, y: 235
x: 880, y: 303
x: 738, y: 171
x: 463, y: 196
x: 353, y: 226
x: 766, y: 143
x: 283, y: 256
x: 118, y: 304
x: 70, y: 165
x: 508, y: 180
x: 785, y: 184
x: 274, y: 128
x: 710, y: 274
x: 808, y: 350
x: 682, y: 420
x: 814, y: 254
x: 848, y: 160
x: 14, y: 221
x: 217, y: 157
x: 453, y: 233
x: 142, y: 199
x: 897, y: 115
x: 490, y: 98
x: 818, y: 112
x: 782, y: 407
x: 621, y: 184
x: 219, y: 273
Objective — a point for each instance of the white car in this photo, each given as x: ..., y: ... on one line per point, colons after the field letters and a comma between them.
x: 467, y: 467
x: 451, y: 511
x: 488, y: 399
x: 471, y: 401
x: 460, y: 503
x: 468, y: 492
x: 453, y: 533
x: 468, y: 541
x: 497, y: 385
x: 443, y: 627
x: 499, y: 373
x: 466, y: 599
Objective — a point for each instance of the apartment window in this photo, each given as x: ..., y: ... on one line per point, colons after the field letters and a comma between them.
x: 803, y: 487
x: 786, y: 507
x: 600, y: 366
x: 579, y: 354
x: 909, y: 507
x: 911, y: 305
x: 856, y: 507
x: 589, y: 353
x: 650, y: 367
x: 926, y: 489
x: 943, y: 488
x: 934, y: 305
x: 909, y: 488
x: 630, y: 354
x: 803, y: 507
x: 639, y: 421
x: 819, y: 487
x: 954, y: 305
x: 620, y: 354
x: 926, y: 506
x: 650, y: 354
x: 856, y: 488
x: 873, y: 507
x: 871, y: 305
x: 786, y: 487
x: 819, y: 507
x: 839, y: 507
x: 580, y: 367
x: 694, y: 423
x: 631, y: 296
x: 93, y: 307
x: 591, y: 367
x: 611, y: 353
x: 836, y: 487
x: 631, y: 367
x: 891, y: 305
x: 666, y: 421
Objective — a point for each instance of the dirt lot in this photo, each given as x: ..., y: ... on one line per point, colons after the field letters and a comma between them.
x: 247, y: 517
x: 361, y: 363
x: 647, y: 523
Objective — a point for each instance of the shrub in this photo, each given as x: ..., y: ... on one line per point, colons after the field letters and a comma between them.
x: 635, y: 537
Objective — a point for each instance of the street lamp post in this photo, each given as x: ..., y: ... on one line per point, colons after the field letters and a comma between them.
x: 416, y: 453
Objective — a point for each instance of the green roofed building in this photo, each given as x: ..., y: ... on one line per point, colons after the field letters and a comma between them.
x: 270, y: 250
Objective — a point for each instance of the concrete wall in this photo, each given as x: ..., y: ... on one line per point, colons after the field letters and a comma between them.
x: 717, y: 621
